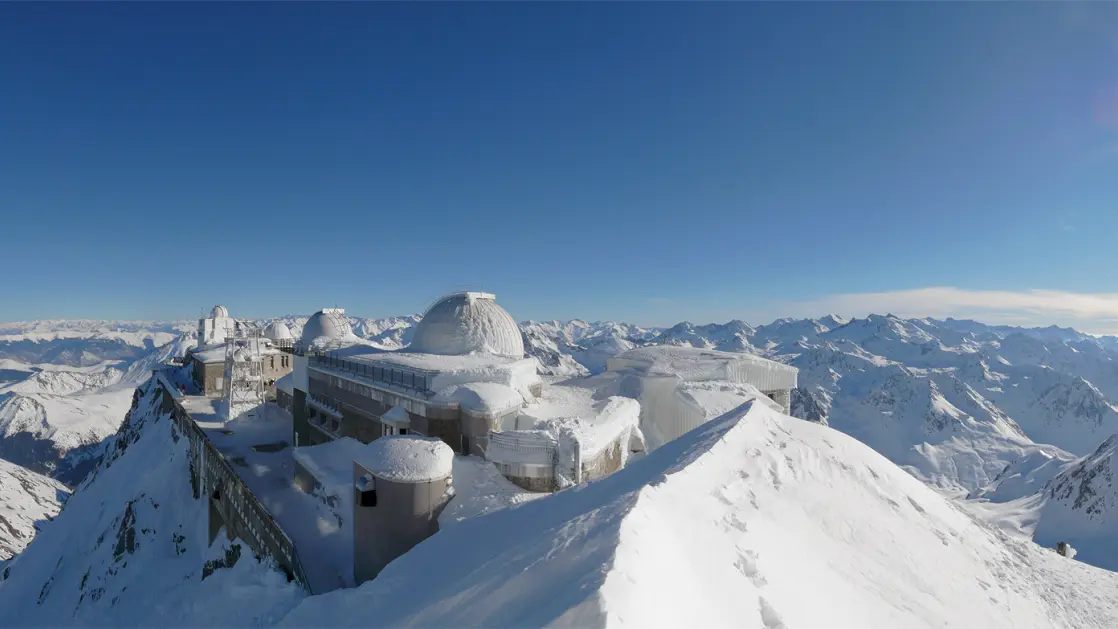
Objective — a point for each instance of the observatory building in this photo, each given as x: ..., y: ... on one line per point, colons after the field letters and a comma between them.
x: 463, y: 372
x: 207, y: 361
x: 216, y: 328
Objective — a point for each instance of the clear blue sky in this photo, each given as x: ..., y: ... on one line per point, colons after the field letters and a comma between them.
x: 643, y: 162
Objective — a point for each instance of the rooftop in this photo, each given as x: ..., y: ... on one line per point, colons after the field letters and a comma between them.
x: 257, y: 448
x: 407, y: 458
x: 688, y: 363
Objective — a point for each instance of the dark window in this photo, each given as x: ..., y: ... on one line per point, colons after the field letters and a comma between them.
x: 465, y: 444
x: 403, y: 431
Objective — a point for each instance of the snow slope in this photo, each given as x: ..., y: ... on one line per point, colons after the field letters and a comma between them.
x: 130, y: 548
x: 735, y: 524
x: 26, y: 500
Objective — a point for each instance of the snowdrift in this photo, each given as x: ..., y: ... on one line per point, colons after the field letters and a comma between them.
x: 738, y: 523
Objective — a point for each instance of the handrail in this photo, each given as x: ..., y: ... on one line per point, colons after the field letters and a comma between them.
x: 410, y: 378
x: 291, y: 560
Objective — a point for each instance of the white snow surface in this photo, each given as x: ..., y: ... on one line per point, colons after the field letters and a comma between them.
x: 480, y: 489
x: 408, y: 458
x: 487, y: 397
x: 331, y: 463
x: 732, y: 525
x: 27, y: 500
x: 581, y: 408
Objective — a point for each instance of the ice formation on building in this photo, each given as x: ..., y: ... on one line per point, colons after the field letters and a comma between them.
x: 467, y: 323
x: 680, y: 388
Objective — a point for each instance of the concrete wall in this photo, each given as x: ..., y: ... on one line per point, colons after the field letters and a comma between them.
x: 606, y: 462
x: 361, y: 414
x: 276, y: 366
x: 209, y: 377
x: 285, y: 401
x: 405, y: 514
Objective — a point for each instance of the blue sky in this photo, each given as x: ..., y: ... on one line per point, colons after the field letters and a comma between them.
x: 643, y: 162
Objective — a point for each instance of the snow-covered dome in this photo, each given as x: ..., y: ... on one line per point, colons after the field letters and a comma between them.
x: 408, y: 459
x: 219, y: 311
x: 465, y: 323
x: 328, y: 322
x: 277, y: 331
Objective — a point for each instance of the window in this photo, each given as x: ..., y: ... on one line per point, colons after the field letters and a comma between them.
x: 403, y: 431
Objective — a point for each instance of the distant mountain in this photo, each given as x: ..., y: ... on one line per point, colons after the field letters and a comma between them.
x: 27, y: 500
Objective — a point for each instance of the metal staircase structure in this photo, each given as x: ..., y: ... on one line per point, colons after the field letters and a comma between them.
x: 244, y: 370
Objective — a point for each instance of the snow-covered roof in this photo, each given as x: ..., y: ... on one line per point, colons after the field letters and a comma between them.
x: 277, y: 331
x: 486, y: 397
x: 467, y: 323
x: 219, y: 311
x: 407, y: 458
x: 331, y: 463
x: 286, y: 383
x: 445, y: 371
x: 693, y: 364
x: 578, y: 407
x: 396, y: 416
x: 328, y: 323
x: 215, y: 353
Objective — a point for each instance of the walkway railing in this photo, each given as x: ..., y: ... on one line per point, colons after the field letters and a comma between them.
x: 269, y: 537
x: 411, y: 378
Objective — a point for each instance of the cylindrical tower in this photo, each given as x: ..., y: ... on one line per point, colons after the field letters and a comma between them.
x: 400, y: 486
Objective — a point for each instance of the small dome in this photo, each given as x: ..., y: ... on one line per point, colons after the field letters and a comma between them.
x: 242, y: 355
x: 277, y: 331
x: 467, y: 323
x: 408, y: 459
x: 328, y: 322
x: 219, y: 311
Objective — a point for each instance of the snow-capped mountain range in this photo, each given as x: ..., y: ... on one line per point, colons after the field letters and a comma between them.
x: 991, y: 412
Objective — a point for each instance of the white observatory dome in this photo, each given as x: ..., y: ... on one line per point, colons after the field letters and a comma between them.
x: 277, y: 331
x: 465, y: 323
x: 219, y: 311
x: 328, y: 322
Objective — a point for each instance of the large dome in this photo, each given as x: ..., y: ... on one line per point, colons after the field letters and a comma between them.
x: 219, y: 311
x: 465, y: 323
x: 277, y: 331
x: 328, y: 322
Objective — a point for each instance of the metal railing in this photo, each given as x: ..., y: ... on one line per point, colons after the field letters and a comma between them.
x: 413, y: 379
x: 255, y: 515
x: 527, y: 443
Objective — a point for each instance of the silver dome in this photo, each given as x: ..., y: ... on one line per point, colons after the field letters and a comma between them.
x: 277, y: 331
x: 467, y: 323
x: 328, y: 322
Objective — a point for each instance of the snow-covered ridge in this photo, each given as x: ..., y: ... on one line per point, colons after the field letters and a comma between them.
x: 729, y: 526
